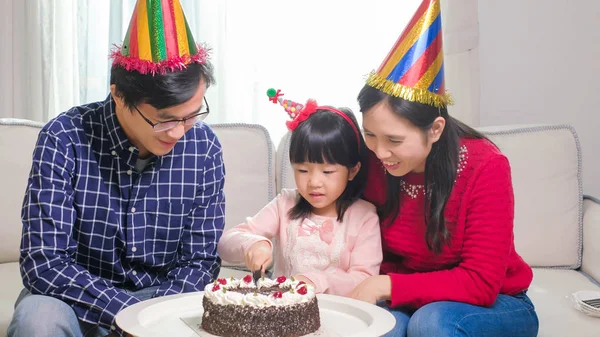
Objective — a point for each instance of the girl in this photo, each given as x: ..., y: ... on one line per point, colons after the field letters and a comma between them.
x: 326, y: 236
x: 445, y: 200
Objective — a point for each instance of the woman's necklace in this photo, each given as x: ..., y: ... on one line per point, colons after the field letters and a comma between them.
x: 413, y: 191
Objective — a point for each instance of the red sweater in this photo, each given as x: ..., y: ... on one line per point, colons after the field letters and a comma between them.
x: 480, y: 261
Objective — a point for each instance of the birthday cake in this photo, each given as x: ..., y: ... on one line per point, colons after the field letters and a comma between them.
x: 269, y: 308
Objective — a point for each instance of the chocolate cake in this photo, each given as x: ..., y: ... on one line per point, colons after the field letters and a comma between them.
x: 271, y: 308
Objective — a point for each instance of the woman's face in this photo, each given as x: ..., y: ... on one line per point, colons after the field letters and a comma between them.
x: 400, y: 145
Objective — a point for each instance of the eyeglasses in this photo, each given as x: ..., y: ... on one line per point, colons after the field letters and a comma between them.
x: 168, y: 125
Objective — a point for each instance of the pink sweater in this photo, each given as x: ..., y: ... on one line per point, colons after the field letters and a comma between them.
x: 335, y: 256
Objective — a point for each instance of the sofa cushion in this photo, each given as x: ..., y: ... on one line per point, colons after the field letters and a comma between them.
x: 551, y: 294
x: 17, y: 139
x: 249, y: 157
x: 285, y: 174
x: 546, y: 173
x: 590, y: 263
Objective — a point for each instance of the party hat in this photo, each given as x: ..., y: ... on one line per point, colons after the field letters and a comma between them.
x: 414, y: 67
x: 298, y: 113
x: 158, y: 39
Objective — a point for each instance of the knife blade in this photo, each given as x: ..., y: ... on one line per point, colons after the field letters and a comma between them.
x: 257, y: 275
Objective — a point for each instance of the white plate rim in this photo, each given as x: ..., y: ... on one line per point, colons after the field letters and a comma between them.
x: 127, y: 319
x: 582, y: 295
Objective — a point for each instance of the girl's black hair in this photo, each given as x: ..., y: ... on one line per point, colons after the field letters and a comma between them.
x: 326, y: 137
x: 160, y: 90
x: 440, y: 166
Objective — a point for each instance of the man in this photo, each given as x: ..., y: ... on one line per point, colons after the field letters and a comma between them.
x: 125, y: 197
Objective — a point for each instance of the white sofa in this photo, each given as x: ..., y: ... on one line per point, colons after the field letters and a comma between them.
x: 557, y: 231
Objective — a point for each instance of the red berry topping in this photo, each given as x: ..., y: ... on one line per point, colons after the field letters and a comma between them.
x: 300, y: 283
x: 222, y: 281
x: 281, y: 279
x: 277, y: 294
x: 302, y: 291
x: 247, y: 278
x: 216, y: 287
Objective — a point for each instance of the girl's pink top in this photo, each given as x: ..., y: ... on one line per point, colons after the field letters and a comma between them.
x: 335, y: 256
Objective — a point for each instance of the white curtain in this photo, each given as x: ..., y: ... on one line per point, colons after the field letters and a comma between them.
x: 309, y: 49
x: 58, y: 57
x: 21, y: 93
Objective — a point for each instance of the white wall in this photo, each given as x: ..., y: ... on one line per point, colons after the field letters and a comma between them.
x: 540, y: 63
x: 461, y: 58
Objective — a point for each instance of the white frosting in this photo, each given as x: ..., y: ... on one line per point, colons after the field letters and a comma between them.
x: 287, y: 283
x: 256, y: 300
x: 231, y: 283
x: 227, y: 297
x: 244, y: 284
x: 265, y: 282
x: 224, y: 297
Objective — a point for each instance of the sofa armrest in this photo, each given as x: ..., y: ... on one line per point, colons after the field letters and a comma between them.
x: 591, y: 238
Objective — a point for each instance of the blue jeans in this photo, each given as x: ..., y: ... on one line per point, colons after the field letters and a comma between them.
x: 509, y: 316
x: 45, y: 316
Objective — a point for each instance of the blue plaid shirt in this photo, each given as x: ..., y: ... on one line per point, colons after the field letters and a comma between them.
x: 95, y: 229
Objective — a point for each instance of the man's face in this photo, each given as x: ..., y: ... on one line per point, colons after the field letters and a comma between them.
x: 142, y: 134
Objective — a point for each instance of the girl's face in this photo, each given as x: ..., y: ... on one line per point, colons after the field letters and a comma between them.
x: 322, y: 184
x: 401, y: 146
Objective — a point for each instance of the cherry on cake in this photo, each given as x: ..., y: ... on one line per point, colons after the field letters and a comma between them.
x: 270, y: 308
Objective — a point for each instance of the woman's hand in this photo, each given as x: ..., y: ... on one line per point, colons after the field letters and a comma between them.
x: 259, y: 256
x: 373, y: 289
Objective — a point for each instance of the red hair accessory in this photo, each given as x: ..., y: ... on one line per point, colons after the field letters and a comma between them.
x: 299, y: 113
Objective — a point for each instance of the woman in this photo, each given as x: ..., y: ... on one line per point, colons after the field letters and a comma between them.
x: 445, y: 200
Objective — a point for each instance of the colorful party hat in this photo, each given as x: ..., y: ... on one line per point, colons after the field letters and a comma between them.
x: 414, y: 67
x: 158, y: 39
x: 298, y: 113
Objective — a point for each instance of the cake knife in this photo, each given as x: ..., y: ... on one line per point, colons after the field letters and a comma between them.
x: 256, y: 275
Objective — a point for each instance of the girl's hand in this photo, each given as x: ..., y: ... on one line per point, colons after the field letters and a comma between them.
x: 259, y: 256
x: 373, y: 289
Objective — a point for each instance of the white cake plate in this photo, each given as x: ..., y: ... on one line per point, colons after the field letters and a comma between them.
x: 181, y: 315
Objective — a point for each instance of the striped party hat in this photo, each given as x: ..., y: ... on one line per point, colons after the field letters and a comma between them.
x: 158, y: 40
x: 414, y: 67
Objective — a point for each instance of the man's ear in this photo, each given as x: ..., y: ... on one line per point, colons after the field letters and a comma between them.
x: 352, y: 172
x: 116, y: 97
x: 437, y: 128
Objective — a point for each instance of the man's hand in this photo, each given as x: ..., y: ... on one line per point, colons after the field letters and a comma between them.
x: 259, y: 256
x: 373, y: 289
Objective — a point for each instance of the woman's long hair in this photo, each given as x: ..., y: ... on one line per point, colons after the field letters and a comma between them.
x: 440, y: 166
